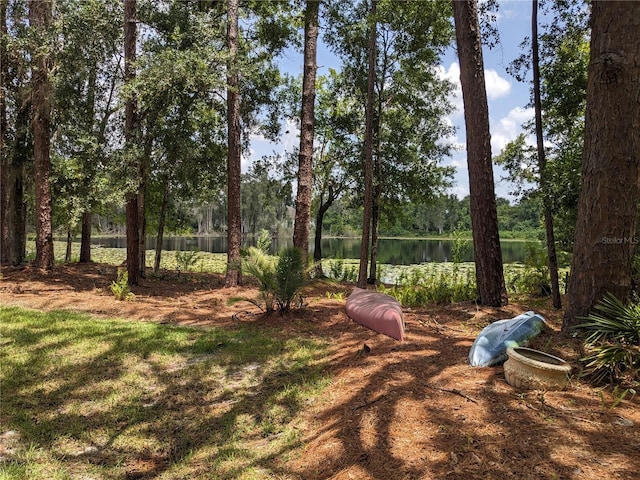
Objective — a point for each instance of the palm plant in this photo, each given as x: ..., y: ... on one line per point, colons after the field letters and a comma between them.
x: 613, y: 337
x: 281, y: 278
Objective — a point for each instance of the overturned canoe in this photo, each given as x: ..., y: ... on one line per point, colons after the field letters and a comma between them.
x: 377, y: 311
x: 490, y: 346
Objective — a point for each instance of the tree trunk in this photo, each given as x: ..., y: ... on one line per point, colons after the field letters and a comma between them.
x: 67, y: 255
x: 368, y: 153
x: 14, y: 233
x: 375, y: 220
x: 39, y: 18
x: 130, y: 126
x: 317, y: 248
x: 89, y: 165
x: 234, y: 202
x: 85, y: 238
x: 542, y: 165
x: 4, y: 151
x: 161, y: 221
x: 484, y: 216
x: 307, y: 118
x: 143, y: 174
x: 607, y: 207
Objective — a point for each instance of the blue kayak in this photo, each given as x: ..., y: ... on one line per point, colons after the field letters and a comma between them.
x: 490, y: 346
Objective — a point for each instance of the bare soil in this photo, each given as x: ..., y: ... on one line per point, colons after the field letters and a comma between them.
x: 394, y: 410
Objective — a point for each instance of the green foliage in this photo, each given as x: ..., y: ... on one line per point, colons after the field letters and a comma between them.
x: 618, y: 395
x: 263, y: 242
x: 342, y: 271
x: 281, y: 278
x: 534, y: 278
x: 186, y: 259
x: 290, y: 276
x: 420, y: 287
x: 613, y: 338
x: 335, y: 295
x: 460, y: 246
x: 120, y: 287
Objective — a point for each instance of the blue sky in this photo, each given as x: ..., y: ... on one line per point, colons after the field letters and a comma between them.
x: 507, y: 98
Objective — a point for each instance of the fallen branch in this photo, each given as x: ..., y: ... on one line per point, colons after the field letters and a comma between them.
x: 367, y: 404
x: 455, y: 391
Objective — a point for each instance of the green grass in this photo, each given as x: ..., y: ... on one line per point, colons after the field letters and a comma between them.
x: 87, y: 398
x: 203, y: 262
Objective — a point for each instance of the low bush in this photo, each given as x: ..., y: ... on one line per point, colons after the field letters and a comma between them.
x: 120, y: 287
x: 281, y: 278
x: 424, y: 287
x: 613, y: 341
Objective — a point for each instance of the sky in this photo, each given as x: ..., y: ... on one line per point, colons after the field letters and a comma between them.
x: 507, y: 98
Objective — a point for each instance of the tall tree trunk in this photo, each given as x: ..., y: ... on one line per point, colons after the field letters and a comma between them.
x: 4, y: 151
x: 375, y: 222
x: 88, y: 166
x: 484, y: 216
x: 368, y: 151
x: 542, y: 165
x: 143, y: 174
x: 67, y: 255
x: 607, y: 207
x: 234, y: 205
x: 39, y: 19
x: 317, y: 248
x: 161, y: 221
x: 85, y: 242
x: 130, y: 127
x: 14, y: 232
x: 307, y: 117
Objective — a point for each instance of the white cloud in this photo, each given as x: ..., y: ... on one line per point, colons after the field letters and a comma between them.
x: 459, y: 163
x: 453, y: 75
x: 508, y: 128
x: 496, y: 85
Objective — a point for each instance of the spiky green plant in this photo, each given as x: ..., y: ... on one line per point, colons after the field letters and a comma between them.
x: 281, y: 278
x: 263, y: 242
x: 261, y: 266
x: 290, y: 277
x: 120, y: 287
x: 613, y: 338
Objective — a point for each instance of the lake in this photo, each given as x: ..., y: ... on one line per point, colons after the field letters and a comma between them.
x: 390, y: 251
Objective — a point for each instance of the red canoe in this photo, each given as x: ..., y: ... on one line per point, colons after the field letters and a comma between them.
x: 377, y: 311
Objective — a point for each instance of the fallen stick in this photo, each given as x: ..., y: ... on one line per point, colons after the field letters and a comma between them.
x: 455, y: 391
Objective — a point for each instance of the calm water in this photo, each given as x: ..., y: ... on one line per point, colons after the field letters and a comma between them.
x: 390, y: 251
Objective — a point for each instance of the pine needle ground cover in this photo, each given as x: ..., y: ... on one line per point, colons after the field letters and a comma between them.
x: 145, y: 398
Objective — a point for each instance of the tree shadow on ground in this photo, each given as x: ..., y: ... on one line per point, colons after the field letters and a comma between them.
x: 230, y: 390
x: 417, y: 410
x: 393, y: 410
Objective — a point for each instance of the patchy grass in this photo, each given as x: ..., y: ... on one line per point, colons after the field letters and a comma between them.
x: 170, y: 260
x: 87, y: 398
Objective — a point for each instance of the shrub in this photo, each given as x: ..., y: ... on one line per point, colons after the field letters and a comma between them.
x: 281, y: 278
x: 613, y: 340
x: 186, y: 259
x: 343, y: 272
x: 120, y: 287
x: 420, y: 288
x: 534, y: 278
x: 263, y: 242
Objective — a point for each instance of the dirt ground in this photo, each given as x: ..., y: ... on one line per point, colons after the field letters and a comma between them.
x: 395, y: 410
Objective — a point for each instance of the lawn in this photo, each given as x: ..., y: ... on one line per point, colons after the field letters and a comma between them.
x: 101, y: 398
